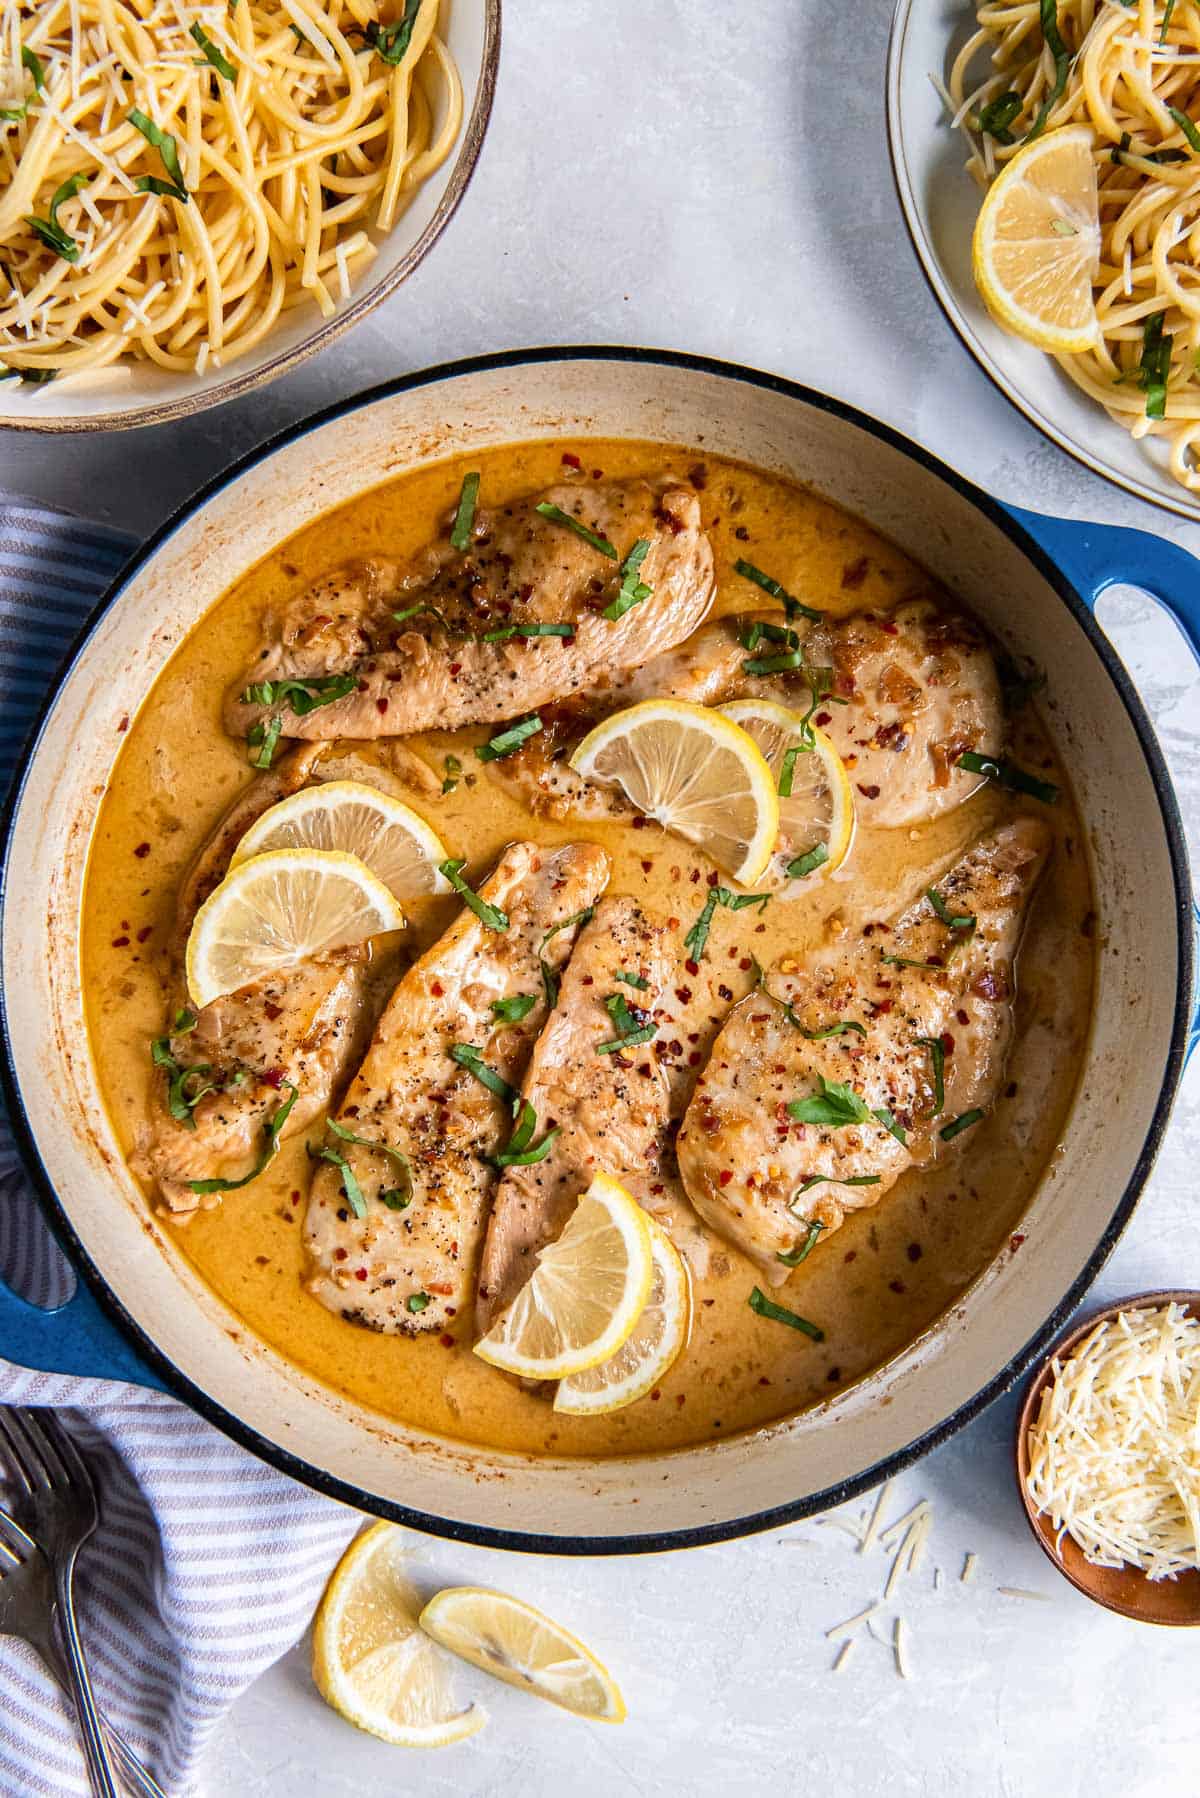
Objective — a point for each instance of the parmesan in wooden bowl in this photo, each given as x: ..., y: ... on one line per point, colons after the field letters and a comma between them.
x: 1108, y: 1457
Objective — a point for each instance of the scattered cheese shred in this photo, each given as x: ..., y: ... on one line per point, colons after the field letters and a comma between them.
x: 844, y: 1653
x: 900, y: 1644
x: 872, y: 1529
x: 1114, y: 1453
x: 968, y: 1572
x: 1022, y: 1592
x: 851, y: 1623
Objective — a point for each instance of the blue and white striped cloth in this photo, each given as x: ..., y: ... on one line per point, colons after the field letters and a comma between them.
x: 176, y: 1613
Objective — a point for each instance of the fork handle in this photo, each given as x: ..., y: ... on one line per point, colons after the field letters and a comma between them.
x: 101, y: 1772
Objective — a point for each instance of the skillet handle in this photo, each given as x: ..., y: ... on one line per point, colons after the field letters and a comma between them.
x: 1097, y: 556
x: 78, y: 1338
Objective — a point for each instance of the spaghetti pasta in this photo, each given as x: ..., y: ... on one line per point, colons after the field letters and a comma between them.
x: 175, y: 177
x: 1130, y: 69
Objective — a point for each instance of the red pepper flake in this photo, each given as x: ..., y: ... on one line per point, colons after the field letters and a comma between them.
x: 745, y: 964
x: 146, y: 931
x: 725, y: 1176
x: 698, y: 476
x: 693, y: 967
x: 639, y: 824
x: 436, y: 988
x: 683, y: 994
x: 272, y: 1077
x: 962, y: 1017
x: 120, y: 942
x: 850, y: 1255
x: 142, y: 851
x: 455, y: 667
x: 947, y: 1043
x: 655, y: 1395
x: 597, y: 474
x: 295, y: 1196
x: 340, y: 1254
x: 646, y: 867
x: 360, y: 1273
x: 680, y: 1397
x: 855, y: 573
x: 381, y: 706
x: 446, y: 1340
x: 897, y: 1286
x: 570, y: 461
x: 588, y: 980
x: 124, y: 724
x: 867, y: 792
x: 1010, y: 1091
x: 1015, y: 1240
x: 741, y: 533
x: 914, y: 1251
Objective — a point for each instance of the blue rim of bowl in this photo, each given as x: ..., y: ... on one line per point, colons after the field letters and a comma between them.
x: 653, y: 1542
x: 947, y: 299
x: 370, y: 295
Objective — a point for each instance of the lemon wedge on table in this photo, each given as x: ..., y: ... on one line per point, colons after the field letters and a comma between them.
x: 275, y: 910
x: 384, y: 833
x: 372, y: 1663
x: 644, y: 1357
x: 695, y: 772
x: 519, y: 1645
x: 817, y: 812
x: 584, y: 1297
x: 1036, y: 249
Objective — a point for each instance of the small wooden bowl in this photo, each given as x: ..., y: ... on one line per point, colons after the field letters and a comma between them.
x: 1122, y: 1589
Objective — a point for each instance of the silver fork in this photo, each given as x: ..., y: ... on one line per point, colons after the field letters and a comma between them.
x: 27, y: 1611
x: 62, y: 1500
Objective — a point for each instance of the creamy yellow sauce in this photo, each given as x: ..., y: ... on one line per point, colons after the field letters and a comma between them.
x: 888, y: 1273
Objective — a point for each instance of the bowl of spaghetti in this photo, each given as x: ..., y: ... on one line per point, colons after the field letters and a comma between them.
x: 970, y: 85
x: 194, y: 197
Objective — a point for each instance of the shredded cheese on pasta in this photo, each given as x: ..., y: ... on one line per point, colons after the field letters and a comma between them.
x: 1114, y: 1453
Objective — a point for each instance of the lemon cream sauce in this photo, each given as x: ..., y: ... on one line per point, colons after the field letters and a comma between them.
x: 886, y: 1276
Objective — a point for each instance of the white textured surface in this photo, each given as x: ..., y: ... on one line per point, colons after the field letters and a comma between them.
x: 716, y: 180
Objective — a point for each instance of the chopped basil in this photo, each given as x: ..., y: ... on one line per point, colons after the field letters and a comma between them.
x: 168, y: 149
x: 522, y: 1150
x: 793, y: 607
x: 274, y: 1126
x: 964, y: 921
x: 808, y: 863
x: 836, y: 1105
x: 464, y: 518
x: 30, y: 61
x: 416, y: 1301
x: 1154, y: 367
x: 1052, y: 38
x: 780, y: 1314
x: 491, y: 915
x: 528, y: 630
x: 1008, y: 775
x: 829, y: 1180
x: 385, y: 1148
x: 632, y: 591
x: 996, y: 117
x: 556, y: 515
x: 392, y: 41
x: 937, y: 1053
x: 510, y: 740
x: 220, y: 63
x: 780, y: 664
x: 182, y: 1098
x: 470, y: 1058
x: 1186, y: 126
x: 758, y: 632
x: 1168, y: 9
x: 300, y: 696
x: 819, y: 1036
x: 796, y: 1256
x: 49, y: 229
x: 453, y: 768
x: 787, y: 772
x: 632, y: 1026
x: 904, y: 961
x: 696, y: 939
x: 637, y: 980
x: 511, y: 1011
x: 350, y: 1186
x: 960, y: 1124
x: 263, y: 740
x: 645, y: 1035
x: 415, y: 611
x: 395, y: 1198
x: 549, y: 977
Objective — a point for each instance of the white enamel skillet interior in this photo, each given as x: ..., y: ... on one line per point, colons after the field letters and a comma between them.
x: 170, y: 1328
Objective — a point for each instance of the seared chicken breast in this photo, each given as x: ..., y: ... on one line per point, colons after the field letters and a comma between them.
x: 287, y: 1041
x: 910, y: 690
x: 888, y: 1050
x: 513, y: 622
x: 395, y: 1245
x: 608, y: 1105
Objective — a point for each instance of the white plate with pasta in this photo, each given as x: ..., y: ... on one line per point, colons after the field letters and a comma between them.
x: 197, y: 194
x: 968, y: 83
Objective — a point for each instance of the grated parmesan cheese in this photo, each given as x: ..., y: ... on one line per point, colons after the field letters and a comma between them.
x: 1114, y: 1453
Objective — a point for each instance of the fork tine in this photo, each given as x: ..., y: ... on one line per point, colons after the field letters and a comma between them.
x: 41, y: 1449
x: 14, y: 1539
x: 74, y: 1466
x: 17, y: 1451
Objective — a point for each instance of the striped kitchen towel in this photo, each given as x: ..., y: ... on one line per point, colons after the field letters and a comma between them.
x: 175, y: 1610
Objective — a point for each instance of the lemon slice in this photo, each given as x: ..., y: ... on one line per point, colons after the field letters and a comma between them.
x: 1036, y: 250
x: 694, y: 771
x: 644, y: 1357
x: 384, y: 833
x: 819, y: 811
x: 370, y: 1660
x: 525, y: 1649
x: 275, y: 910
x: 585, y: 1295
